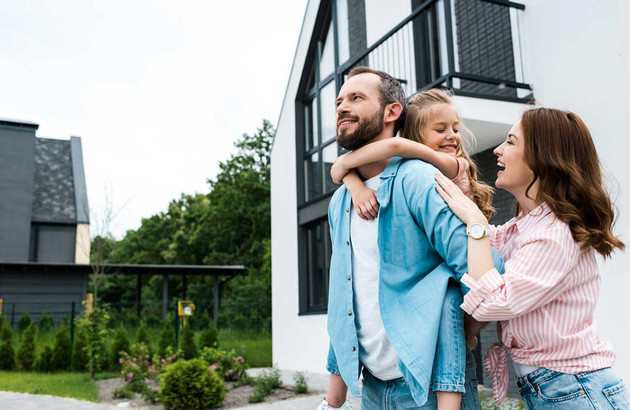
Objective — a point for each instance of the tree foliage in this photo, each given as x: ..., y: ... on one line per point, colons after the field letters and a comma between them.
x: 231, y: 225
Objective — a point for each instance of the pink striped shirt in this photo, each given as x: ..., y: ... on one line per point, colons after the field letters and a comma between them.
x: 543, y: 303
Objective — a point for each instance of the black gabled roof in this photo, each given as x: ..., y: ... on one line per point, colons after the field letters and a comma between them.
x: 54, y: 190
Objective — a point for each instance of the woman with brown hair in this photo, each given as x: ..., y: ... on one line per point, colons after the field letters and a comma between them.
x: 544, y: 302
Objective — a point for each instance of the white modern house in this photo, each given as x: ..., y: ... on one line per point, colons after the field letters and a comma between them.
x: 496, y: 55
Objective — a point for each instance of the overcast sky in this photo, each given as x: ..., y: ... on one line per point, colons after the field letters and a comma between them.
x: 157, y: 90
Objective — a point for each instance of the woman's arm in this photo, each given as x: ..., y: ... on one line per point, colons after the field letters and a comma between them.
x: 479, y: 254
x: 394, y: 147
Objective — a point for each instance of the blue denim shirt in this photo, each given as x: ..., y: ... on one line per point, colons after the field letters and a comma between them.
x: 422, y: 245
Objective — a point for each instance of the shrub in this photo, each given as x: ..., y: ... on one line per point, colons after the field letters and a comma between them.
x: 45, y: 360
x: 79, y: 354
x: 230, y: 366
x: 122, y: 393
x: 300, y: 384
x: 208, y: 337
x: 152, y: 396
x: 167, y: 339
x: 132, y: 320
x: 190, y: 384
x: 264, y: 385
x: 25, y: 322
x: 95, y: 327
x: 119, y: 344
x: 143, y: 338
x: 188, y: 345
x: 201, y: 322
x: 46, y: 323
x: 62, y: 352
x: 26, y: 352
x: 7, y: 351
x: 152, y: 321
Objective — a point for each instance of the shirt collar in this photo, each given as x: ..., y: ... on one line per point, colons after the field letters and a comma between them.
x: 533, y: 217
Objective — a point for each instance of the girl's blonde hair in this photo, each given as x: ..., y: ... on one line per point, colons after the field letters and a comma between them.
x: 417, y: 112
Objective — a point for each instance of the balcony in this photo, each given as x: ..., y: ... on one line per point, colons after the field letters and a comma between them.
x: 469, y: 46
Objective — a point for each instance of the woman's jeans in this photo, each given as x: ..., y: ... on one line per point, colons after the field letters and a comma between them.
x: 548, y: 389
x: 395, y: 394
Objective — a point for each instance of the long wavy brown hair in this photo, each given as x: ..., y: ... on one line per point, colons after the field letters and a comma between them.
x: 560, y: 152
x: 417, y: 112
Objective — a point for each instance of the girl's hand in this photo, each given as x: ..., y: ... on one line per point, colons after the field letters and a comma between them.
x: 365, y: 203
x: 338, y: 170
x: 460, y: 204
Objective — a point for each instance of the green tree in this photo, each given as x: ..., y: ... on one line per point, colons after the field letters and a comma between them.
x: 26, y: 351
x: 7, y: 351
x: 94, y: 326
x: 62, y: 351
x: 187, y: 344
x: 167, y: 338
x: 120, y: 344
x: 208, y: 337
x: 24, y: 322
x: 79, y: 361
x: 46, y: 323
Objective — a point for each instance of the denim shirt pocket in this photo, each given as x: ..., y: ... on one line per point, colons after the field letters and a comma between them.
x: 401, y: 243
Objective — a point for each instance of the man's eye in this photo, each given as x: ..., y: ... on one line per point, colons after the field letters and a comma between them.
x: 356, y: 97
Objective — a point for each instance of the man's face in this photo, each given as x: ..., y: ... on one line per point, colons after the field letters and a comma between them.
x: 360, y: 116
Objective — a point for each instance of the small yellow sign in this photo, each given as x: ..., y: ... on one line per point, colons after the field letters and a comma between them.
x: 185, y: 308
x: 0, y: 306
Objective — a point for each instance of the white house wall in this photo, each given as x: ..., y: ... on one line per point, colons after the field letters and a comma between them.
x: 299, y: 342
x: 577, y: 58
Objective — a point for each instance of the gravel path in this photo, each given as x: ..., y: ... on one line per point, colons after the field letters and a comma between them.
x: 23, y: 401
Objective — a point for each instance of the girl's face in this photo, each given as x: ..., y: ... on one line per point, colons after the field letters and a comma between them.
x: 514, y: 175
x: 441, y: 132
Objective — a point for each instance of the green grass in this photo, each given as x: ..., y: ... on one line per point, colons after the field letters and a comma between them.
x: 254, y: 347
x: 72, y: 385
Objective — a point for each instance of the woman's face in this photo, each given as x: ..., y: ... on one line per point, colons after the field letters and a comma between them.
x: 514, y: 175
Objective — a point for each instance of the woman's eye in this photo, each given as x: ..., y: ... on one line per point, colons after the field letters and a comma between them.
x: 509, y: 142
x: 440, y: 131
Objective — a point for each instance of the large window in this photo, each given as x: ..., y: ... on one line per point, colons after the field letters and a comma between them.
x: 317, y: 148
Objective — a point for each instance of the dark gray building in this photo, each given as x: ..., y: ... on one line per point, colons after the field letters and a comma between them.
x: 44, y: 218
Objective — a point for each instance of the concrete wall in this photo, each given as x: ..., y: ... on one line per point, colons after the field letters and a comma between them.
x: 17, y: 171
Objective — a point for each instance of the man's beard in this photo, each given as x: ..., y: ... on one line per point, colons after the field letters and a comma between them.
x: 365, y: 131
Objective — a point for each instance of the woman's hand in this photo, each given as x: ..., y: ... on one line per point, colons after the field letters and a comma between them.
x: 459, y: 203
x: 365, y: 203
x: 338, y: 170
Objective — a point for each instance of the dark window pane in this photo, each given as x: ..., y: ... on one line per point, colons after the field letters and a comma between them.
x: 316, y: 272
x: 55, y: 243
x: 310, y: 125
x: 329, y: 154
x: 311, y: 175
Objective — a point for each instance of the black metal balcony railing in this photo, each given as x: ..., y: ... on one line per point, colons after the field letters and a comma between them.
x: 470, y: 46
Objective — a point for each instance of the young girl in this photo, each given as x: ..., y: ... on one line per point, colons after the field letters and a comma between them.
x: 544, y: 301
x: 431, y: 132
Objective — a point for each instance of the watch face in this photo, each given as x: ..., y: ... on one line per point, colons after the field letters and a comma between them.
x: 476, y: 231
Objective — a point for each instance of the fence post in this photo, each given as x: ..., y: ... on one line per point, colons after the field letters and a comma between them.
x: 72, y: 322
x: 176, y: 325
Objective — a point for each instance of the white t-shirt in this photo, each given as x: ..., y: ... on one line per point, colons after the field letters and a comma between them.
x: 375, y: 351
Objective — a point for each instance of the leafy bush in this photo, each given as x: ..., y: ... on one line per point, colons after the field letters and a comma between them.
x: 25, y: 322
x: 152, y: 396
x: 300, y: 384
x: 152, y: 321
x: 227, y: 364
x: 62, y: 351
x: 94, y: 325
x: 122, y: 393
x: 119, y: 344
x: 208, y: 337
x: 132, y: 320
x: 143, y: 338
x: 190, y: 384
x: 46, y: 323
x: 44, y: 362
x: 137, y: 366
x: 264, y: 385
x: 188, y: 345
x: 79, y: 361
x: 26, y: 352
x: 167, y: 338
x: 7, y: 351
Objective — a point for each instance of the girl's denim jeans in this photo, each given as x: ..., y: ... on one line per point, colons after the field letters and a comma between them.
x: 548, y: 389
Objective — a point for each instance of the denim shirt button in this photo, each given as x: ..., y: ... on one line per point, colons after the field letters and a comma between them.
x: 349, y: 313
x: 348, y: 277
x: 347, y: 243
x: 519, y: 384
x: 353, y: 348
x: 347, y: 209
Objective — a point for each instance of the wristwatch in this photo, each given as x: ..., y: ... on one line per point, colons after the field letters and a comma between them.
x: 477, y: 231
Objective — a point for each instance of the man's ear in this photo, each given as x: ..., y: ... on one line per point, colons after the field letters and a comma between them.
x: 392, y: 112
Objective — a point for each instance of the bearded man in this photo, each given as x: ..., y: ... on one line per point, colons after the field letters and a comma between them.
x: 388, y: 276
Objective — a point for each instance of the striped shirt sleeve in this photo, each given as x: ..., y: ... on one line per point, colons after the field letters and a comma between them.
x: 534, y: 275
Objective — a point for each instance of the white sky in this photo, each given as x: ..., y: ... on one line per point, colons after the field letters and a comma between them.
x: 158, y: 89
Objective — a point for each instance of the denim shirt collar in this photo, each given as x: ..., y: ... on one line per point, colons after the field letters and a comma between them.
x: 388, y: 175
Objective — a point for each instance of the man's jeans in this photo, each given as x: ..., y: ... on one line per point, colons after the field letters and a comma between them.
x: 396, y: 395
x: 548, y: 389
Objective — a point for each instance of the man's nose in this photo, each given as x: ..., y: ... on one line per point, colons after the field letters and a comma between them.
x: 342, y: 108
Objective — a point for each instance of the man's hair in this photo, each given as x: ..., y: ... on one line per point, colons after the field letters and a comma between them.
x: 391, y: 90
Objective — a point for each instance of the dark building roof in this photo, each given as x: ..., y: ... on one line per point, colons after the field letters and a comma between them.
x: 54, y: 192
